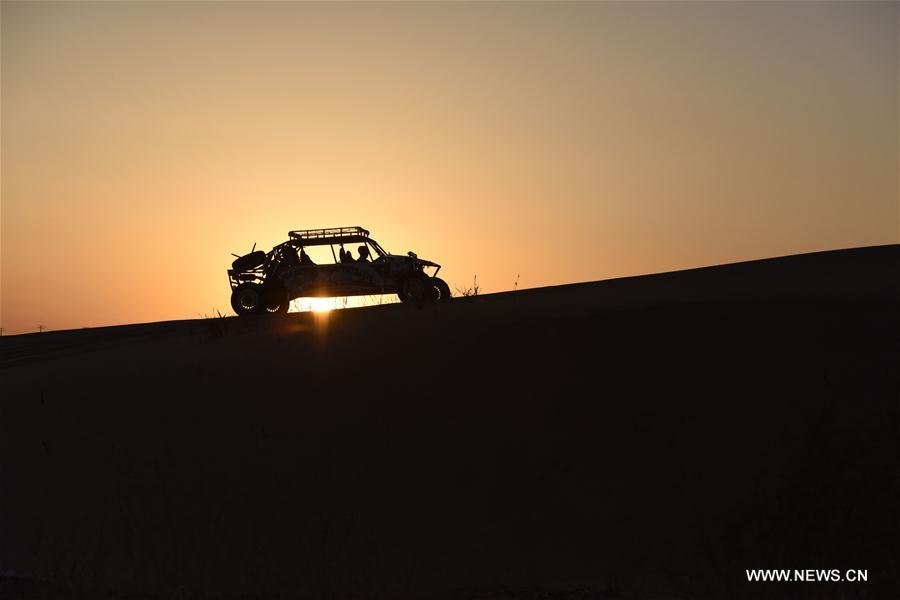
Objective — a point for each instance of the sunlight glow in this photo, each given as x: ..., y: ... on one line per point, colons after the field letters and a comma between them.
x: 319, y: 305
x: 324, y: 305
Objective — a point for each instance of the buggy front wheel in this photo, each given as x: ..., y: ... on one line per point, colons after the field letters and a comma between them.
x: 442, y: 291
x: 415, y: 289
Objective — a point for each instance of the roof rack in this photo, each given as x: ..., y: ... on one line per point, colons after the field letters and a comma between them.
x: 328, y: 232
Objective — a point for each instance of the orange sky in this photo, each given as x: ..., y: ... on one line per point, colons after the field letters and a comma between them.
x: 142, y: 143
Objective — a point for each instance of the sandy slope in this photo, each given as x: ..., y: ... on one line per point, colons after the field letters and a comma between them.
x: 644, y: 436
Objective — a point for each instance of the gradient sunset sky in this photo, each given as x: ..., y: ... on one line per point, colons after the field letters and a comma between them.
x: 142, y: 143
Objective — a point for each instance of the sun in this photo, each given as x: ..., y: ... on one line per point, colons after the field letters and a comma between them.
x: 325, y: 305
x: 320, y: 305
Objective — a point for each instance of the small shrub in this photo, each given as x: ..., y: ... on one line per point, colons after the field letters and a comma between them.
x: 469, y: 291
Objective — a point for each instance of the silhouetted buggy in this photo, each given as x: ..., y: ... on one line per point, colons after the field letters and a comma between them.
x: 267, y: 281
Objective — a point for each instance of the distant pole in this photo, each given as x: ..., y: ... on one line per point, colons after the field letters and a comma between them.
x: 40, y: 329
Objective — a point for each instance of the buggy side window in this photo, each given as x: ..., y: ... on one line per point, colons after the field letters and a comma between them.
x: 357, y: 253
x: 375, y: 251
x: 343, y: 255
x: 319, y: 255
x: 379, y: 251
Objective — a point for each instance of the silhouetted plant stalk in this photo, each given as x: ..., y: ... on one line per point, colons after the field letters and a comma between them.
x: 469, y: 291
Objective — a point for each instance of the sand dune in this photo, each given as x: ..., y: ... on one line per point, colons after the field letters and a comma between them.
x: 859, y: 274
x: 651, y: 436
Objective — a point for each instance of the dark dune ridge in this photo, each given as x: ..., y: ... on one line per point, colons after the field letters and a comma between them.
x: 644, y: 437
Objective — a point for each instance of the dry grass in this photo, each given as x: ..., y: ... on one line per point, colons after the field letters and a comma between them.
x: 470, y: 290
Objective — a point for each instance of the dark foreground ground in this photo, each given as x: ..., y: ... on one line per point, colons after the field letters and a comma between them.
x: 652, y: 437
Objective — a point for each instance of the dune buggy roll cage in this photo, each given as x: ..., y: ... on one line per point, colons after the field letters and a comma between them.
x: 329, y: 232
x: 333, y: 235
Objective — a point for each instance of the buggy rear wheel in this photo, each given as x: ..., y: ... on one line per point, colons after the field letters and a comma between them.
x: 247, y: 299
x: 277, y: 302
